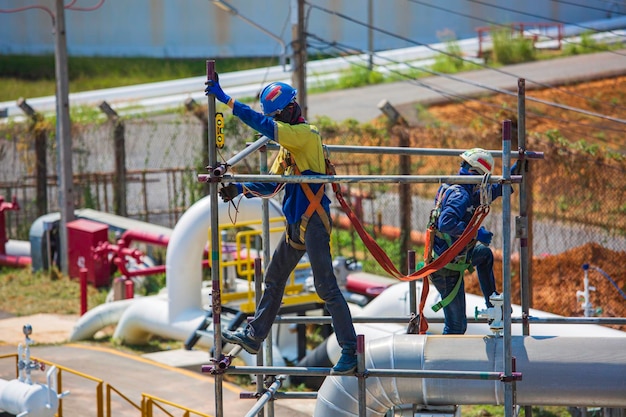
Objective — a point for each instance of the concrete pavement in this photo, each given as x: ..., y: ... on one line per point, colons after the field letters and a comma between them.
x: 128, y: 374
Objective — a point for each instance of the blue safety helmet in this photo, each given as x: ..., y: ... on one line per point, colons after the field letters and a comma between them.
x: 276, y: 96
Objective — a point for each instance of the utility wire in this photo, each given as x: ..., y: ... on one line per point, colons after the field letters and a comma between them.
x: 505, y: 26
x: 587, y: 6
x: 538, y: 16
x: 456, y: 97
x: 465, y: 60
x: 461, y: 100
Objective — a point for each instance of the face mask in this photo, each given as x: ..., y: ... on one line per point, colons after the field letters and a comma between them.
x: 291, y: 114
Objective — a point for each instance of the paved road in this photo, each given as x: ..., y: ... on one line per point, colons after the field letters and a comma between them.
x: 133, y: 375
x: 362, y: 103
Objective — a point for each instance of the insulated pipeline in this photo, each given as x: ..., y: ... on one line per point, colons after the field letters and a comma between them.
x: 568, y: 371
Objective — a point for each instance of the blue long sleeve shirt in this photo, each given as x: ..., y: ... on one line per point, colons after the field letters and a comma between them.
x: 304, y: 143
x: 457, y: 209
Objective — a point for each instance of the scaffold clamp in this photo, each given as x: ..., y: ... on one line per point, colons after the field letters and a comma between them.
x: 219, y: 366
x: 515, y: 376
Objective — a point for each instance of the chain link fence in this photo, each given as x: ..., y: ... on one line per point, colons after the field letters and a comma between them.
x: 577, y: 197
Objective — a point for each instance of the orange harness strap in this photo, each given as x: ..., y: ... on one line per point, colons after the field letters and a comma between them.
x: 446, y: 257
x: 315, y: 205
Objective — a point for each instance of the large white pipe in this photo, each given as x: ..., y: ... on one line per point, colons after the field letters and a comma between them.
x: 394, y: 302
x: 567, y: 371
x: 180, y: 310
x: 183, y: 265
x: 98, y: 318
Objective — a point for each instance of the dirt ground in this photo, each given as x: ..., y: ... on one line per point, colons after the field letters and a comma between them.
x: 555, y: 279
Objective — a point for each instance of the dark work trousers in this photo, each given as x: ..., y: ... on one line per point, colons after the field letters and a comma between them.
x: 455, y: 321
x: 285, y: 258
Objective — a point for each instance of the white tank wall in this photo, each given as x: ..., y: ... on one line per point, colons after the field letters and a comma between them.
x: 197, y: 28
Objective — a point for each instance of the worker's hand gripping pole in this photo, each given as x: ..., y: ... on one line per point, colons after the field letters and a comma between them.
x: 216, y: 171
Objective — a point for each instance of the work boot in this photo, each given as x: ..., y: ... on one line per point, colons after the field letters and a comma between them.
x: 243, y: 338
x: 346, y: 363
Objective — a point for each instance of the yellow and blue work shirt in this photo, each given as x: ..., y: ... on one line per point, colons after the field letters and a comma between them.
x: 304, y: 142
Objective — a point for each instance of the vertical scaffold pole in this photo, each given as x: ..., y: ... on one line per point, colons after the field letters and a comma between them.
x: 265, y: 213
x: 360, y: 369
x: 216, y: 296
x: 506, y: 270
x: 525, y: 222
x: 258, y: 277
x: 410, y: 265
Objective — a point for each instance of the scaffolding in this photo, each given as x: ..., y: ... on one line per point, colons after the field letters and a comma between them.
x: 276, y: 375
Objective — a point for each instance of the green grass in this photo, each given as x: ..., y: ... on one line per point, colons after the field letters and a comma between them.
x: 34, y: 76
x: 25, y: 293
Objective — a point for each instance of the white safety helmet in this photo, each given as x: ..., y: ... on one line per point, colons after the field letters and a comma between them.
x: 479, y: 159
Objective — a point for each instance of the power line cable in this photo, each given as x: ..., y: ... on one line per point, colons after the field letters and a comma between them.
x: 457, y: 57
x: 459, y: 99
x: 539, y: 17
x: 508, y: 26
x: 588, y: 7
x: 449, y: 95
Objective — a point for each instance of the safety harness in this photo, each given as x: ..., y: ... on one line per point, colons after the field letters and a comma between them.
x: 430, y: 263
x: 460, y: 262
x: 315, y: 201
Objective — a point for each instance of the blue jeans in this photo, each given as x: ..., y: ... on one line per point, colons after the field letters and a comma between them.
x: 455, y: 321
x: 284, y: 260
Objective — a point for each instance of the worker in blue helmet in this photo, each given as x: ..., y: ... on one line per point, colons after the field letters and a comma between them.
x: 307, y: 209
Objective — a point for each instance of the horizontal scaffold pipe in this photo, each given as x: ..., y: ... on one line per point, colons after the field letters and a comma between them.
x: 393, y: 150
x: 436, y: 179
x: 398, y: 373
x: 248, y: 150
x: 391, y: 319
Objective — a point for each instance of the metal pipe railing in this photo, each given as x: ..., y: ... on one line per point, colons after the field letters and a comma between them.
x: 383, y: 179
x: 402, y: 373
x: 402, y: 319
x: 265, y: 397
x: 509, y: 387
x: 395, y: 150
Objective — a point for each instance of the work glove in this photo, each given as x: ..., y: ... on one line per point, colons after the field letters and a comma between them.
x: 213, y: 87
x: 516, y: 168
x: 484, y: 236
x: 229, y: 192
